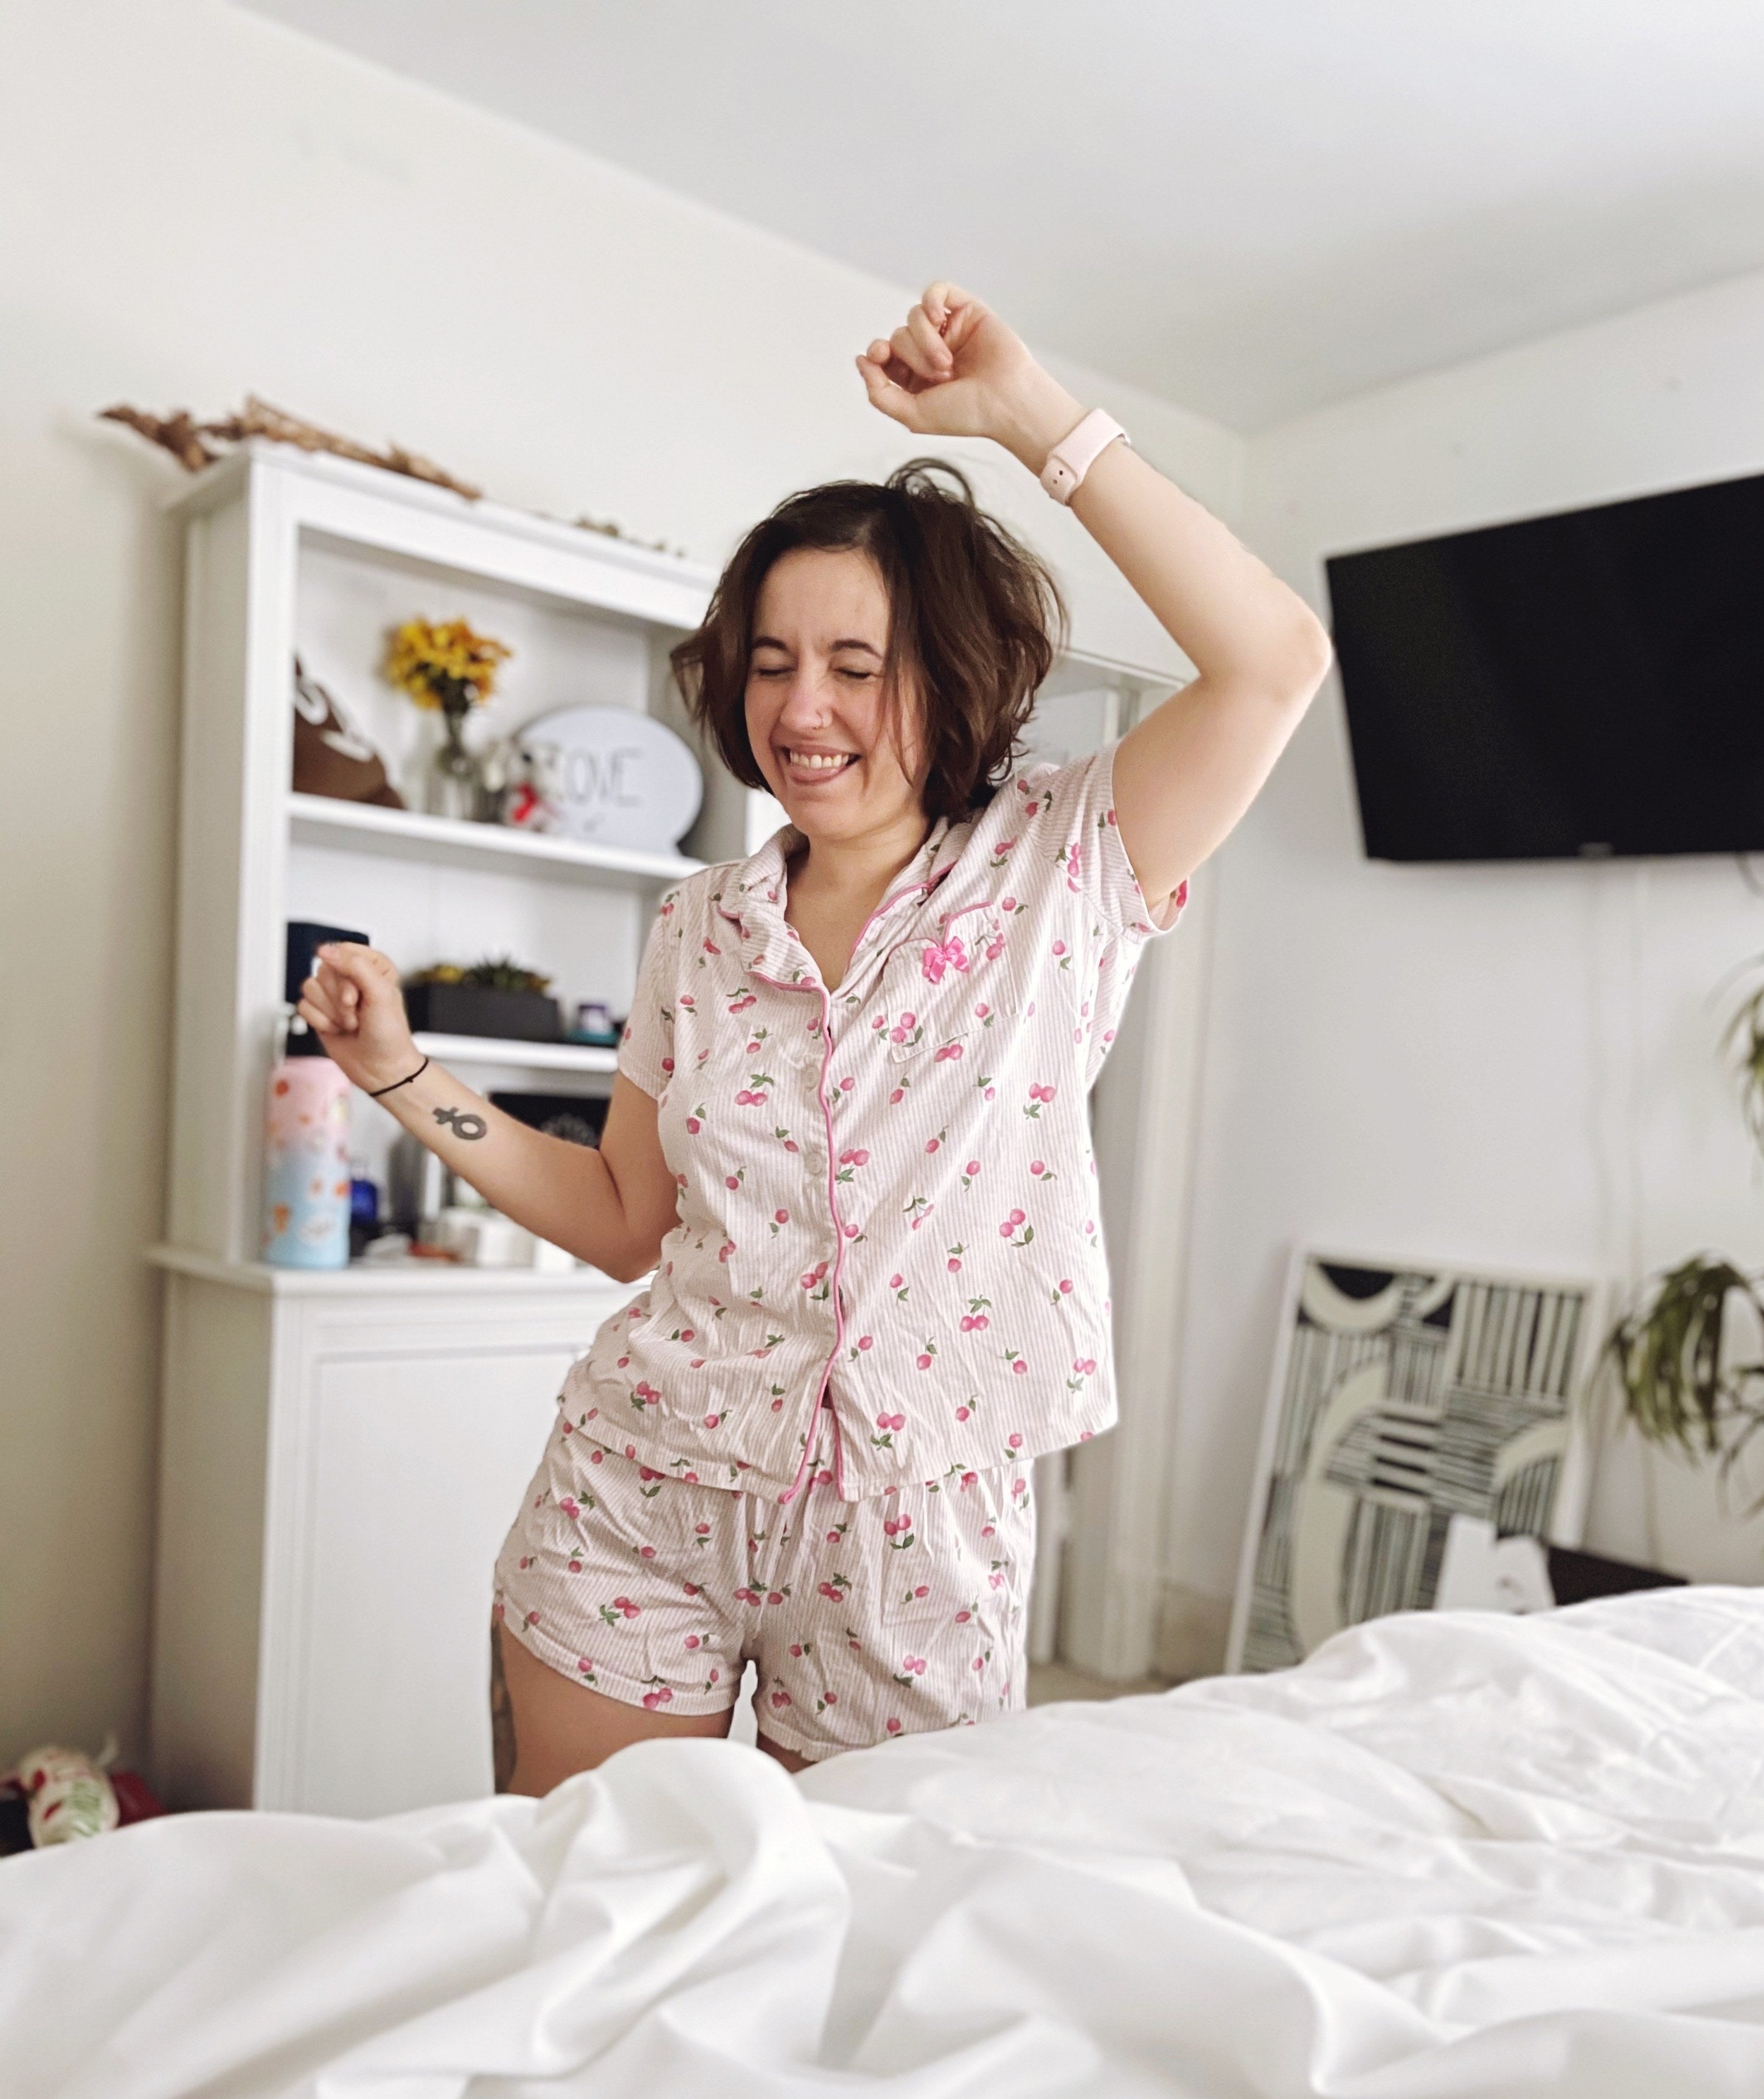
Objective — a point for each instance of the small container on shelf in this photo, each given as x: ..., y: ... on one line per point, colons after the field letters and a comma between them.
x: 483, y: 1237
x: 363, y: 1210
x: 418, y: 1187
x: 595, y: 1026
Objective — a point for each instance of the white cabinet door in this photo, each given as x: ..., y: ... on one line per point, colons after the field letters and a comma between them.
x: 416, y: 1467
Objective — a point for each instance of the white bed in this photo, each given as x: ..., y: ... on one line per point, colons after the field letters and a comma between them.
x: 1448, y: 1856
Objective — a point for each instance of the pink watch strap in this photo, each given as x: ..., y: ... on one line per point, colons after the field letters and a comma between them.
x: 1072, y: 458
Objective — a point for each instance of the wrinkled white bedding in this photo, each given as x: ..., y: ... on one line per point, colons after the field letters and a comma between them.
x: 1448, y: 1856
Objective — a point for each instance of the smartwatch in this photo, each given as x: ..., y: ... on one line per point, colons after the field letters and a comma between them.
x: 1072, y: 458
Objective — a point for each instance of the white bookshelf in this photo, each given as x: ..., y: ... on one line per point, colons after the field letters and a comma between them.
x: 340, y: 1452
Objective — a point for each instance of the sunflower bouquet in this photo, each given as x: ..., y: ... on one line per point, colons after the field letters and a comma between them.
x: 444, y: 664
x: 447, y: 666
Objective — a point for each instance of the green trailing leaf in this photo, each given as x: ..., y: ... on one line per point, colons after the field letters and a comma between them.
x: 1676, y: 1369
x: 1743, y: 1039
x: 1678, y: 1377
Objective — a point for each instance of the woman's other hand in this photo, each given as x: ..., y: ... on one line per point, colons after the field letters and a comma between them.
x: 956, y: 370
x: 355, y: 1004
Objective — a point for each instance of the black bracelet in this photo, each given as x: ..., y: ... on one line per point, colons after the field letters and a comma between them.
x: 397, y: 1083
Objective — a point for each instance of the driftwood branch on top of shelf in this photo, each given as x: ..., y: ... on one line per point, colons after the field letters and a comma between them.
x: 189, y: 443
x: 187, y: 440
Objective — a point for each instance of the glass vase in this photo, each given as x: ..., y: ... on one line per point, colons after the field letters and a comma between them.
x: 453, y: 778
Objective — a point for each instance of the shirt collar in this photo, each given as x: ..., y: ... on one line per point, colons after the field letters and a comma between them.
x: 752, y: 898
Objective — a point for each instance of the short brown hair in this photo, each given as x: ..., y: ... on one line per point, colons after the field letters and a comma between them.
x: 974, y: 620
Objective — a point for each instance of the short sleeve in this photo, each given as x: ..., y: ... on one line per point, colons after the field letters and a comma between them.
x: 1071, y: 808
x: 646, y: 1050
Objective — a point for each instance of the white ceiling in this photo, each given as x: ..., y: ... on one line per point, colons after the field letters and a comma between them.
x: 1252, y: 207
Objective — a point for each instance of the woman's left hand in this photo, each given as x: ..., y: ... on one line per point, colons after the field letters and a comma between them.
x: 956, y: 370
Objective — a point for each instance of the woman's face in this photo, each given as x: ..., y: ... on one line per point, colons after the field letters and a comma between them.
x: 818, y: 720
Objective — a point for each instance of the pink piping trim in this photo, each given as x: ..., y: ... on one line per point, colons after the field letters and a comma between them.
x: 986, y: 905
x: 795, y: 1486
x: 838, y: 1234
x: 833, y: 1205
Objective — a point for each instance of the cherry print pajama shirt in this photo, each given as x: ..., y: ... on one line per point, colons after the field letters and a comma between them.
x: 887, y: 1294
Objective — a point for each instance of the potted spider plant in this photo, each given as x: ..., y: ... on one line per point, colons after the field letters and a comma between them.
x: 1686, y: 1362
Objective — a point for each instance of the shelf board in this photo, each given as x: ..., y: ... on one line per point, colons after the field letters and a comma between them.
x: 536, y: 1056
x: 388, y: 1278
x: 366, y: 827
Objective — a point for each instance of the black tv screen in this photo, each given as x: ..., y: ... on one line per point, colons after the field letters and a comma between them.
x: 1580, y: 685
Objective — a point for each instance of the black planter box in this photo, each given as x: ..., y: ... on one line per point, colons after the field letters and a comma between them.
x: 511, y: 1016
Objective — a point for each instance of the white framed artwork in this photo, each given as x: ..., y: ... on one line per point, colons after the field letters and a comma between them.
x: 1405, y: 1393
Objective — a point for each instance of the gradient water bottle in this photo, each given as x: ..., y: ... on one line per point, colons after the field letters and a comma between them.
x: 306, y: 1158
x: 307, y: 1140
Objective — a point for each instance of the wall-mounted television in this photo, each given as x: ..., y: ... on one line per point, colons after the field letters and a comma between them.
x: 1580, y: 685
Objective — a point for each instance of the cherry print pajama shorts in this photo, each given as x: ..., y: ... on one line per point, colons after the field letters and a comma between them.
x: 864, y: 1620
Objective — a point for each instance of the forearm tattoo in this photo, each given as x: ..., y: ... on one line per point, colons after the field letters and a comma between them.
x: 468, y: 1127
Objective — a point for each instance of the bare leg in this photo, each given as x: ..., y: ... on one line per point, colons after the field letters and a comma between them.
x: 545, y: 1728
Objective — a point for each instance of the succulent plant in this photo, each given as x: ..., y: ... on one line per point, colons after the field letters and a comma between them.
x: 504, y: 974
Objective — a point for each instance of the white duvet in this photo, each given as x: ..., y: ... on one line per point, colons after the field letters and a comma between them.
x: 1448, y: 1856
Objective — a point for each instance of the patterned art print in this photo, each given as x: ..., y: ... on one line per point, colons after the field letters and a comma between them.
x: 1403, y: 1395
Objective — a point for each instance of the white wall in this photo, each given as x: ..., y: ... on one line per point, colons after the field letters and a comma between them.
x: 1510, y: 1064
x: 193, y: 204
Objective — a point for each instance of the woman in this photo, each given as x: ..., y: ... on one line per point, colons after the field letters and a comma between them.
x: 849, y: 1122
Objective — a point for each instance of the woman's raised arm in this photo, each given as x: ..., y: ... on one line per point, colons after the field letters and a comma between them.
x: 1191, y: 768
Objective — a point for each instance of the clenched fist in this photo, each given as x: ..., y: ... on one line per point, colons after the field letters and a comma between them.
x: 355, y: 1004
x: 954, y: 369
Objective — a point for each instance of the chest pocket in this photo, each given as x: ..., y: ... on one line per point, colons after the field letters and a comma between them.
x: 931, y: 1045
x: 974, y: 1027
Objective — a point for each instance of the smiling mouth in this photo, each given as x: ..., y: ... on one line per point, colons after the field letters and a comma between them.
x: 824, y: 762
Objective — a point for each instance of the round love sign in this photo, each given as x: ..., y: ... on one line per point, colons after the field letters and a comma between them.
x: 613, y: 777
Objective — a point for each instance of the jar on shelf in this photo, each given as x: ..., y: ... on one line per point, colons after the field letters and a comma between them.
x: 455, y: 786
